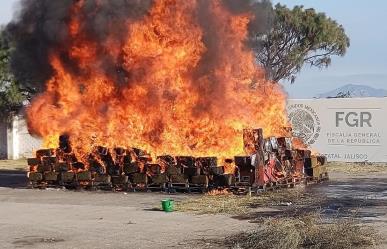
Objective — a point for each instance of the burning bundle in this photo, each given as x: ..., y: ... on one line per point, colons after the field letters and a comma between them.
x: 276, y: 160
x: 270, y: 160
x: 120, y: 167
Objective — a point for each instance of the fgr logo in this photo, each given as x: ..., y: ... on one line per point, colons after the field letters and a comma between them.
x: 305, y: 122
x: 353, y: 119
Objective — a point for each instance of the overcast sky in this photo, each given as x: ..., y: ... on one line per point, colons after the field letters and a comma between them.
x: 365, y: 62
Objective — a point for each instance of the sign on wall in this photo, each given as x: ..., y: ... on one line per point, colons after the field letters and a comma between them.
x: 350, y: 130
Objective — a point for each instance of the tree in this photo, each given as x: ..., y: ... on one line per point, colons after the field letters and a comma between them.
x: 342, y: 95
x: 11, y: 94
x: 297, y: 37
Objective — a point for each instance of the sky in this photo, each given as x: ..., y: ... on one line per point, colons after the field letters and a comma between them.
x: 365, y: 62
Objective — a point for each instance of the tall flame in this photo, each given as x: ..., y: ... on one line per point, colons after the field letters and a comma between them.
x: 169, y: 101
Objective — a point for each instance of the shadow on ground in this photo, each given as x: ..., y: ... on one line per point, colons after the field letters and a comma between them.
x: 13, y: 179
x: 360, y: 198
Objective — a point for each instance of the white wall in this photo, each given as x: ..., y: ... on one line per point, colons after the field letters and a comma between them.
x: 3, y: 140
x: 348, y: 130
x: 26, y: 143
x: 19, y: 143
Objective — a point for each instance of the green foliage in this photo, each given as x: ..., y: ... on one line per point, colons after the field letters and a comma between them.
x: 11, y: 95
x: 298, y: 36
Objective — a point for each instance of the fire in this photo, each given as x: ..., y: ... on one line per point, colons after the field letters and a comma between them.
x: 298, y: 143
x: 168, y: 89
x: 229, y: 166
x: 216, y: 192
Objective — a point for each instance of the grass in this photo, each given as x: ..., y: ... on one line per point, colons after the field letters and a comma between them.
x: 357, y: 168
x: 294, y: 227
x: 17, y: 165
x: 219, y: 204
x: 309, y: 231
x: 240, y: 205
x: 236, y: 205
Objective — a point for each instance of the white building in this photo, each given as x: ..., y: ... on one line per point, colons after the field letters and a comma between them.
x: 15, y: 140
x: 3, y: 140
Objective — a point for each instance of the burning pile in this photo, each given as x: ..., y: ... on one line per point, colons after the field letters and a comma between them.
x: 170, y: 77
x: 167, y: 76
x: 269, y: 161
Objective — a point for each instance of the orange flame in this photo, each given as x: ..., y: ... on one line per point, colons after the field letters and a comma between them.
x: 216, y: 192
x: 229, y: 166
x: 162, y: 107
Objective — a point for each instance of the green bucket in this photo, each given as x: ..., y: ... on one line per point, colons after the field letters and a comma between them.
x: 167, y: 205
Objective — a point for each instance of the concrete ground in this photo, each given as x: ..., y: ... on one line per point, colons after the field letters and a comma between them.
x: 67, y: 219
x: 361, y: 196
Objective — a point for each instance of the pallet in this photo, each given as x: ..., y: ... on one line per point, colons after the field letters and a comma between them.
x: 101, y: 186
x: 102, y: 182
x: 267, y: 186
x: 314, y: 180
x: 240, y: 190
x: 120, y: 183
x: 197, y: 188
x: 287, y: 182
x: 137, y: 187
x: 157, y: 187
x: 41, y: 185
x: 290, y: 182
x: 177, y: 187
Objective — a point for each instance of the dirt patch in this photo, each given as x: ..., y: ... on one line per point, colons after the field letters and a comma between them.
x: 347, y: 212
x: 16, y: 165
x: 34, y: 240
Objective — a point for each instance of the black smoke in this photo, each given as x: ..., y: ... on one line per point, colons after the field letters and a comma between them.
x: 261, y: 9
x: 40, y: 27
